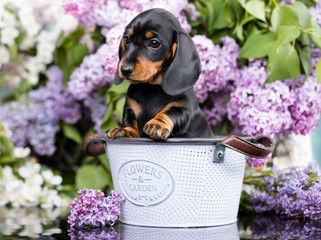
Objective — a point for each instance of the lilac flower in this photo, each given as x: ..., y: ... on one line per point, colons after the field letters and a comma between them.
x: 93, y: 209
x: 216, y: 113
x: 34, y: 118
x: 218, y: 64
x: 315, y: 12
x: 256, y: 109
x: 91, y: 74
x: 272, y: 226
x: 293, y: 193
x: 306, y: 108
x: 257, y: 162
x: 97, y: 106
x: 97, y: 234
x: 91, y: 13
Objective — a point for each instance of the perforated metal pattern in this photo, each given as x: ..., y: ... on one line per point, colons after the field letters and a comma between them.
x: 204, y: 194
x: 226, y: 232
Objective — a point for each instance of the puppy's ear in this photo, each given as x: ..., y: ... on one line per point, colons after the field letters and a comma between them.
x: 121, y: 50
x: 184, y: 69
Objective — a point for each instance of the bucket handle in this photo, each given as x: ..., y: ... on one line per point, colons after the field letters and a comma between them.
x: 250, y: 149
x: 94, y: 145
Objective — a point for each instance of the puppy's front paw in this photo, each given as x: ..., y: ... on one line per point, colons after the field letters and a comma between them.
x: 158, y: 129
x: 122, y: 132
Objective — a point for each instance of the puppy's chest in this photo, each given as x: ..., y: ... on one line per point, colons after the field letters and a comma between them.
x: 146, y: 102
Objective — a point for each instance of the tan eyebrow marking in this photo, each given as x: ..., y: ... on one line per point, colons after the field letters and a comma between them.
x: 149, y: 35
x: 130, y: 32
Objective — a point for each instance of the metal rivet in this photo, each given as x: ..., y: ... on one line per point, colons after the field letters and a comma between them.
x: 219, y: 154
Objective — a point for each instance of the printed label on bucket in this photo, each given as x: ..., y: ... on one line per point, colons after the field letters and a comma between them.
x: 145, y: 183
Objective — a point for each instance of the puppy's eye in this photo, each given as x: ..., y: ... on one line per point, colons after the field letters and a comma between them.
x: 126, y: 40
x: 154, y: 43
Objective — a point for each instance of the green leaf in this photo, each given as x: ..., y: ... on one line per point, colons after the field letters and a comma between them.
x: 72, y: 133
x: 285, y: 15
x: 91, y: 176
x: 258, y: 45
x: 13, y: 51
x: 6, y: 147
x: 256, y: 8
x: 304, y: 39
x: 114, y: 105
x: 312, y: 177
x: 303, y: 13
x: 104, y: 161
x: 227, y: 13
x: 270, y: 173
x: 283, y: 64
x: 109, y: 121
x: 316, y: 33
x: 78, y: 52
x: 119, y: 108
x: 305, y: 57
x: 318, y: 71
x: 216, y: 17
x: 286, y: 34
x: 115, y: 91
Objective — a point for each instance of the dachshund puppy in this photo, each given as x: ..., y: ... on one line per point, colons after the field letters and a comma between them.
x: 161, y: 63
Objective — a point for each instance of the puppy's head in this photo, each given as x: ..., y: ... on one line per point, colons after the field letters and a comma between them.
x: 154, y: 49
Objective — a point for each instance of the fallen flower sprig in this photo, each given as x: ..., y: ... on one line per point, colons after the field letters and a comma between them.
x: 92, y: 209
x: 294, y: 193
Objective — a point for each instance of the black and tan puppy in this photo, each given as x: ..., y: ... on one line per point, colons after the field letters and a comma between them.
x: 162, y: 64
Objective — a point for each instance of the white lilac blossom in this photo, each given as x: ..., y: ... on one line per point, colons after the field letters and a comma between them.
x: 92, y: 209
x: 30, y: 186
x: 18, y: 22
x: 33, y: 222
x: 34, y: 119
x: 296, y: 192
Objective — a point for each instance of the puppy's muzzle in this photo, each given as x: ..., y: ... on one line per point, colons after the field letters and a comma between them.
x: 126, y: 70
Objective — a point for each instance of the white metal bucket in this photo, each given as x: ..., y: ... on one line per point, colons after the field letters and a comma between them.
x: 225, y: 232
x: 176, y: 183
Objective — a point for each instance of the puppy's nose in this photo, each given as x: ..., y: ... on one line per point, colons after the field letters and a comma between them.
x: 126, y: 70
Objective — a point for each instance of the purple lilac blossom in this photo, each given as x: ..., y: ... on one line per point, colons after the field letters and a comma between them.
x: 97, y: 234
x: 91, y: 74
x: 34, y: 118
x: 258, y: 162
x: 306, y: 109
x: 274, y: 226
x: 91, y: 13
x: 65, y: 105
x: 296, y: 192
x: 97, y: 106
x: 219, y: 65
x: 216, y: 113
x: 93, y: 209
x: 315, y: 12
x: 258, y: 109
